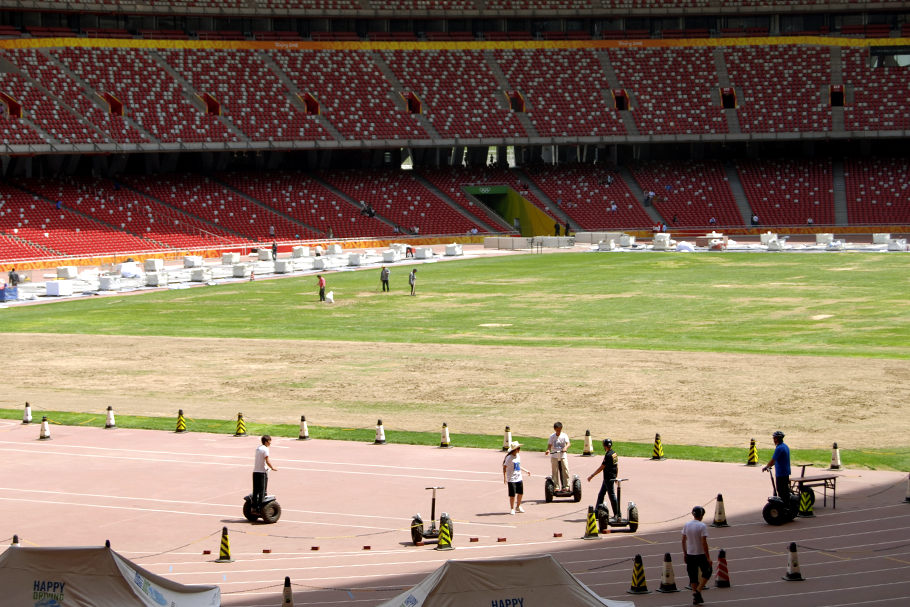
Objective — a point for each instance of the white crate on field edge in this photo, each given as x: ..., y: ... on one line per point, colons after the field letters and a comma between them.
x: 626, y: 241
x: 823, y: 238
x: 192, y: 261
x: 242, y: 270
x: 265, y: 254
x: 283, y: 266
x: 423, y: 253
x: 109, y: 283
x: 391, y: 256
x: 304, y: 263
x: 153, y: 265
x: 881, y: 238
x: 201, y: 275
x: 298, y: 252
x: 334, y: 249
x: 59, y: 288
x: 230, y: 259
x: 897, y: 244
x: 662, y: 242
x: 453, y: 250
x: 156, y: 279
x: 67, y: 272
x: 767, y: 237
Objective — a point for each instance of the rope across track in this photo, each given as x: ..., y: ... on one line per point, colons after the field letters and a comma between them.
x: 832, y: 551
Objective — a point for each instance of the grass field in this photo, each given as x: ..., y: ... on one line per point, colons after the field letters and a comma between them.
x: 845, y: 304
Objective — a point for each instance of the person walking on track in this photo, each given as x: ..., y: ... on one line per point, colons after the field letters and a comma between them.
x: 696, y: 553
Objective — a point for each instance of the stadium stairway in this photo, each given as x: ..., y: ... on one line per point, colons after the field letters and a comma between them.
x: 541, y: 196
x: 350, y: 200
x: 739, y: 194
x: 266, y: 207
x: 494, y: 218
x: 505, y: 85
x: 639, y: 194
x: 457, y: 207
x: 841, y: 217
x: 723, y: 80
x: 397, y: 90
x: 837, y: 78
x: 627, y: 120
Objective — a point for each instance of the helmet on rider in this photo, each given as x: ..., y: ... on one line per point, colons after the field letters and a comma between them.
x: 778, y: 434
x: 607, y: 443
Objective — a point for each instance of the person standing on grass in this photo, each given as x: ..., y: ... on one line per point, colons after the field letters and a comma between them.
x: 412, y: 280
x: 781, y: 462
x: 557, y: 448
x: 261, y: 472
x: 321, y: 284
x: 696, y: 554
x: 511, y: 476
x: 384, y: 278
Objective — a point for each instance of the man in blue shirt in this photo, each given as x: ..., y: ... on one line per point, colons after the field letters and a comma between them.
x: 781, y: 462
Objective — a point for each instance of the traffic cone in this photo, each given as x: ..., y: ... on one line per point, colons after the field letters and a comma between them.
x: 445, y: 533
x: 806, y: 500
x: 753, y: 454
x: 591, y: 530
x: 639, y: 583
x: 304, y: 431
x: 589, y: 447
x: 45, y: 429
x: 793, y: 574
x: 181, y: 422
x: 27, y: 414
x: 722, y: 579
x: 444, y: 438
x: 658, y: 454
x: 380, y: 434
x: 720, y: 516
x: 506, y: 439
x: 907, y: 499
x: 224, y: 553
x: 835, y: 459
x: 667, y: 577
x: 288, y: 595
x: 110, y: 424
x: 15, y: 540
x: 241, y: 426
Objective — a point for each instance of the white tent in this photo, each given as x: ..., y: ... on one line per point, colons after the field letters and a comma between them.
x: 90, y: 577
x: 537, y: 581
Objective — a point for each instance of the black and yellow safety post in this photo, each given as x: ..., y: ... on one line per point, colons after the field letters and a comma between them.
x: 15, y: 540
x: 445, y: 533
x: 45, y: 433
x: 835, y: 459
x: 241, y: 426
x: 304, y: 430
x: 27, y: 414
x: 506, y: 439
x: 287, y: 597
x: 589, y: 445
x: 753, y: 454
x: 793, y: 574
x: 591, y: 530
x: 806, y: 501
x: 444, y: 442
x: 722, y: 579
x: 720, y: 515
x: 658, y: 454
x: 639, y: 583
x: 667, y: 577
x: 224, y: 553
x: 181, y: 422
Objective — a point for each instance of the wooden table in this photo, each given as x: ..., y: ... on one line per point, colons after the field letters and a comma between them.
x: 826, y: 481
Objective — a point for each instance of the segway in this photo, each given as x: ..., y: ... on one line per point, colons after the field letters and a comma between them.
x: 604, y: 520
x: 776, y: 512
x: 269, y: 513
x: 550, y: 490
x: 418, y: 534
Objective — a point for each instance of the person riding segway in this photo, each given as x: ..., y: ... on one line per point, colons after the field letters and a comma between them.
x: 610, y: 468
x: 258, y: 504
x: 783, y: 506
x: 558, y: 483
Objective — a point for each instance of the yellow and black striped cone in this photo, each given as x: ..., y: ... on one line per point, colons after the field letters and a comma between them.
x: 591, y: 530
x: 793, y: 574
x: 27, y: 414
x: 181, y: 422
x: 241, y: 426
x: 806, y: 501
x: 667, y: 577
x: 835, y: 458
x: 444, y: 442
x: 753, y: 454
x: 45, y: 429
x: 445, y: 533
x: 109, y: 423
x: 506, y: 439
x: 304, y: 430
x: 380, y: 433
x: 589, y: 445
x: 658, y: 453
x: 287, y: 597
x: 224, y: 553
x: 720, y: 515
x: 639, y: 583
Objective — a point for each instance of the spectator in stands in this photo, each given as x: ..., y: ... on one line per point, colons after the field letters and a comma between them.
x: 474, y: 231
x: 396, y: 229
x: 664, y: 228
x: 58, y: 205
x: 754, y: 219
x: 556, y: 228
x: 271, y: 231
x: 321, y: 284
x: 559, y: 202
x: 416, y: 230
x: 330, y: 232
x: 675, y: 220
x: 810, y: 222
x: 651, y: 196
x: 712, y: 221
x: 669, y: 189
x: 613, y: 207
x: 384, y: 278
x: 412, y: 280
x: 13, y: 278
x: 274, y: 250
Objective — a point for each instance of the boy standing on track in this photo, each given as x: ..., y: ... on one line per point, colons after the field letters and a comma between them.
x: 696, y: 554
x: 261, y: 472
x: 511, y: 475
x: 557, y: 446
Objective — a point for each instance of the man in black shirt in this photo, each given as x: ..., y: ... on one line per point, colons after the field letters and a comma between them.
x: 610, y: 468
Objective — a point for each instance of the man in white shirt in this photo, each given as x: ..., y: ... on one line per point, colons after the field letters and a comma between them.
x: 557, y: 448
x: 696, y: 553
x: 261, y: 471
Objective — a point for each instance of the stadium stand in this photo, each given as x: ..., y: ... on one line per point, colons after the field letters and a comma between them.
x: 13, y: 249
x: 43, y: 70
x: 458, y: 91
x: 451, y: 180
x: 424, y: 5
x: 878, y: 190
x: 249, y: 92
x: 784, y: 88
x: 145, y: 88
x: 672, y: 89
x: 343, y: 5
x: 308, y: 201
x: 351, y: 91
x: 564, y: 89
x: 697, y: 192
x: 880, y: 94
x: 540, y: 4
x: 398, y: 196
x: 789, y: 192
